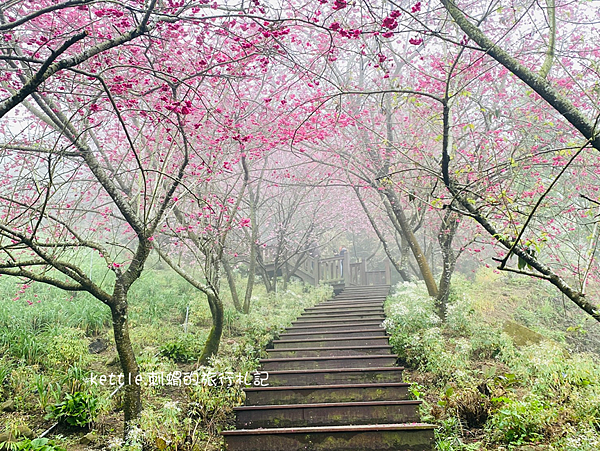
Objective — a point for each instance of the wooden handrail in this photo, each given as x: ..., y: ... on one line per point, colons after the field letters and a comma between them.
x: 335, y: 270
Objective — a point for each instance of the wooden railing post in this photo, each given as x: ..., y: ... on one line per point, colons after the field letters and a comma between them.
x: 346, y: 269
x: 363, y: 272
x: 388, y: 275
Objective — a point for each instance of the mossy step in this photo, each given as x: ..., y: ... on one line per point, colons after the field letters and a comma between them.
x: 329, y: 342
x: 327, y: 362
x: 334, y: 376
x: 326, y: 393
x: 349, y: 304
x: 330, y: 351
x: 376, y: 323
x: 374, y: 437
x: 327, y: 414
x: 344, y: 308
x: 353, y: 300
x: 350, y: 319
x: 346, y: 333
x: 341, y: 314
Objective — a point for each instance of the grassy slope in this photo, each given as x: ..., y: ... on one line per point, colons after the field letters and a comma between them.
x: 536, y: 388
x: 44, y: 338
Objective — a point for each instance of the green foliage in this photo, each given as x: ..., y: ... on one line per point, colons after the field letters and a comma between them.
x: 134, y: 442
x: 44, y: 354
x: 41, y: 307
x: 160, y: 295
x: 39, y: 444
x: 413, y: 325
x: 478, y: 376
x: 77, y: 409
x: 213, y: 406
x: 518, y: 422
x: 181, y: 351
x: 46, y: 390
x: 447, y: 436
x: 416, y: 391
x: 166, y: 427
x: 21, y: 344
x: 5, y: 369
x: 489, y: 343
x: 63, y: 345
x: 556, y: 372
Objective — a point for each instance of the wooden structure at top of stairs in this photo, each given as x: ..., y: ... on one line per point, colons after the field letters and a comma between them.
x: 337, y: 271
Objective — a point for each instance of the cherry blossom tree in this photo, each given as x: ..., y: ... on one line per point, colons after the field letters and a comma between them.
x: 567, y: 87
x: 107, y: 132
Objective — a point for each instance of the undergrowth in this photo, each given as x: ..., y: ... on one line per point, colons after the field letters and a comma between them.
x: 483, y: 391
x: 45, y: 365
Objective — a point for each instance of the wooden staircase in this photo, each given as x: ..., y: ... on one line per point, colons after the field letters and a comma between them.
x: 332, y: 385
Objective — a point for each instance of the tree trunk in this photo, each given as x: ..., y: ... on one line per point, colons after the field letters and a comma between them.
x: 263, y: 272
x: 251, y: 274
x: 132, y: 404
x: 285, y: 276
x: 445, y: 237
x: 214, y: 337
x: 405, y: 259
x: 232, y: 287
x: 253, y: 250
x: 397, y: 211
x: 424, y: 268
x: 398, y: 265
x: 267, y: 281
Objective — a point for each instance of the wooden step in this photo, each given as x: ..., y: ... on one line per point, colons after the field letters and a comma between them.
x: 335, y: 376
x: 346, y: 333
x: 360, y: 293
x: 331, y: 328
x: 339, y: 318
x: 329, y: 342
x: 346, y: 307
x: 329, y: 351
x: 361, y: 299
x: 342, y: 314
x: 375, y: 437
x: 326, y: 393
x: 358, y: 296
x: 353, y: 301
x: 354, y: 322
x: 369, y: 288
x: 327, y: 414
x: 349, y: 323
x: 327, y: 362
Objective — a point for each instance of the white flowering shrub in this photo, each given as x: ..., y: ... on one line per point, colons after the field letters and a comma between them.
x: 461, y: 317
x: 445, y: 349
x: 410, y: 309
x: 412, y: 324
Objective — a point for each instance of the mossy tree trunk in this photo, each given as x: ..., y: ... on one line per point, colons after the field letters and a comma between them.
x: 211, y: 347
x: 132, y: 403
x: 252, y: 196
x: 447, y: 232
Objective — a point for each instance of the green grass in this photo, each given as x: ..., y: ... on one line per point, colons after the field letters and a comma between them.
x: 44, y: 337
x: 477, y: 383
